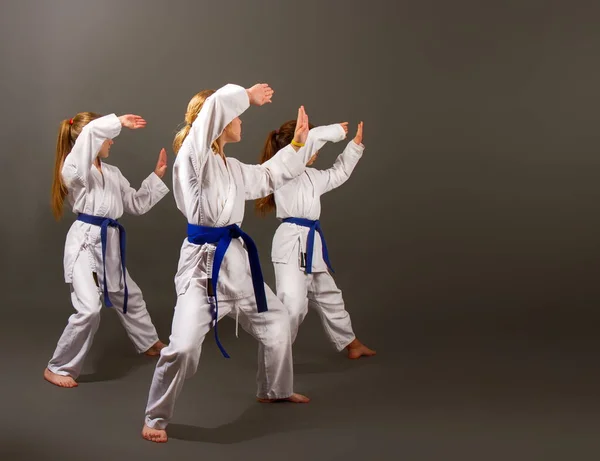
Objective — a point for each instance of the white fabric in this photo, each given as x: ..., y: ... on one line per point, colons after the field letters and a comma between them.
x: 191, y: 323
x: 211, y: 191
x: 106, y: 194
x: 100, y: 194
x: 299, y: 291
x: 76, y: 340
x: 301, y: 198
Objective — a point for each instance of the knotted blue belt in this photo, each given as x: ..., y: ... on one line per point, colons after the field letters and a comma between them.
x: 104, y: 223
x: 310, y: 241
x: 222, y: 236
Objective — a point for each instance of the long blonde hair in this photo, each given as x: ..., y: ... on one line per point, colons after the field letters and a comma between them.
x: 68, y: 132
x: 193, y: 109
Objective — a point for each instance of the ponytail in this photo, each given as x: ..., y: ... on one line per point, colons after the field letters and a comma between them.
x: 68, y: 131
x: 59, y: 190
x: 276, y: 140
x: 193, y: 109
x: 179, y: 137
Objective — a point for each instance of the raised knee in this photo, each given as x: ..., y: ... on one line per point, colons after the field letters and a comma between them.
x: 88, y: 316
x: 295, y: 307
x: 182, y: 351
x: 297, y: 311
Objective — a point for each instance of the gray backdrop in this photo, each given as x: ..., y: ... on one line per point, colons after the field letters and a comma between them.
x: 466, y: 241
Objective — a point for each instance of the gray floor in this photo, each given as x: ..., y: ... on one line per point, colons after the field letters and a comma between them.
x: 475, y: 207
x: 454, y: 384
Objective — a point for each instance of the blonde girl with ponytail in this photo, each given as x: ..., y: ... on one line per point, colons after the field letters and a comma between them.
x: 219, y: 272
x: 94, y: 256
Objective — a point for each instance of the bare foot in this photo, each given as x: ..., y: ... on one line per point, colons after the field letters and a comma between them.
x: 59, y: 380
x: 155, y: 349
x: 357, y: 349
x: 294, y: 398
x: 154, y: 435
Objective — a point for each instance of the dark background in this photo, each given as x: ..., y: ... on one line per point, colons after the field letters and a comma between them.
x: 466, y: 242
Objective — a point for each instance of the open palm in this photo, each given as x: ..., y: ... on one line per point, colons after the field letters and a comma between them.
x: 302, y: 126
x: 161, y: 165
x: 260, y: 94
x: 359, y: 134
x: 133, y: 122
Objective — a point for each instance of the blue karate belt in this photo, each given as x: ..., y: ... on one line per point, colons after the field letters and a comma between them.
x: 310, y: 241
x: 222, y: 236
x: 104, y: 222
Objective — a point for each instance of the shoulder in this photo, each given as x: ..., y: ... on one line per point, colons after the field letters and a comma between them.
x: 234, y: 161
x: 235, y: 165
x: 111, y: 168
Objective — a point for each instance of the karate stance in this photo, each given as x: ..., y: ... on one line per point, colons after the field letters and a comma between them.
x: 94, y: 257
x: 299, y: 252
x: 219, y: 272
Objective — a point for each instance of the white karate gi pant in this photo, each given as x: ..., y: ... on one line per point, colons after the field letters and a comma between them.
x: 298, y: 290
x: 192, y: 321
x: 76, y: 340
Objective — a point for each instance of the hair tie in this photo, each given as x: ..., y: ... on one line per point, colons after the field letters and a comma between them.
x: 71, y: 122
x: 277, y: 131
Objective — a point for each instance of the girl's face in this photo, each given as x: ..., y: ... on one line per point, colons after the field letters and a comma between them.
x: 105, y: 148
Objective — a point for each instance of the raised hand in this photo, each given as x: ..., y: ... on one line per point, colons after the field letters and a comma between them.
x: 260, y: 94
x: 161, y: 165
x: 301, y: 132
x: 133, y: 122
x: 359, y: 134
